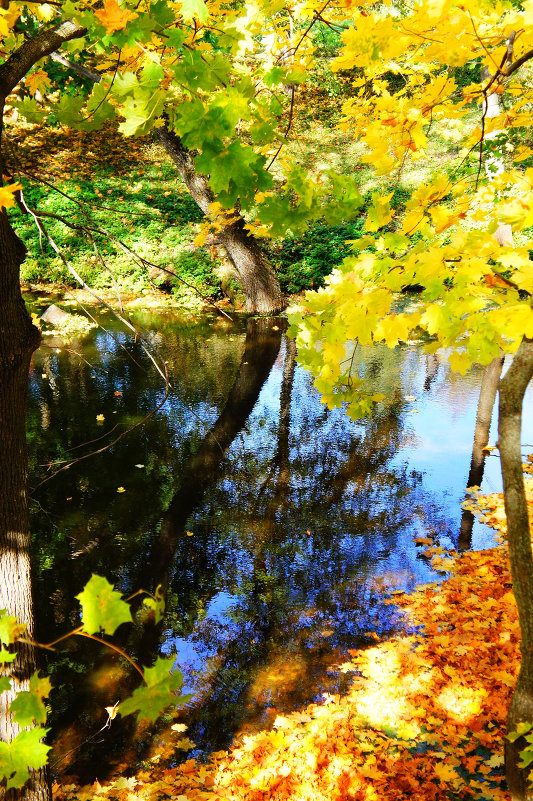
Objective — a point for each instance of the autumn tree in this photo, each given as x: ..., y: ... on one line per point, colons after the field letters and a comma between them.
x: 217, y: 87
x: 475, y: 283
x: 202, y: 77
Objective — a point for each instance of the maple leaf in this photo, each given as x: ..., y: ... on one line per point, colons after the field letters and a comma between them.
x: 159, y: 692
x: 28, y: 707
x: 113, y: 17
x: 102, y: 607
x: 37, y: 81
x: 7, y: 195
x: 24, y: 752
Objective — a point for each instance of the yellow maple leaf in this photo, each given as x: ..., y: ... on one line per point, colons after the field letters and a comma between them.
x: 446, y: 773
x: 7, y: 195
x: 37, y: 81
x: 113, y: 17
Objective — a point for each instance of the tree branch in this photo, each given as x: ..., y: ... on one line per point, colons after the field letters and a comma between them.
x: 32, y: 50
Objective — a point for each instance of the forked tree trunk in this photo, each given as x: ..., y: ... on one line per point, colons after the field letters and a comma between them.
x: 512, y: 390
x: 256, y: 275
x: 18, y: 340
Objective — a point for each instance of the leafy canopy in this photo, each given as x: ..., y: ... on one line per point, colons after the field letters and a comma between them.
x: 475, y: 277
x: 222, y: 77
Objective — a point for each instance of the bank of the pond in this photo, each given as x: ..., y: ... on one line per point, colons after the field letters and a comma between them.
x: 424, y: 716
x: 147, y: 299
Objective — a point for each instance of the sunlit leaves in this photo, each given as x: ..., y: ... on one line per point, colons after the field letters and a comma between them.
x: 102, y: 607
x: 113, y: 17
x: 24, y: 752
x: 29, y: 707
x: 160, y: 691
x: 7, y: 195
x: 156, y: 604
x: 10, y: 628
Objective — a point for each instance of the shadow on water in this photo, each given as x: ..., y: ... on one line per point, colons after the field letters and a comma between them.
x: 275, y: 526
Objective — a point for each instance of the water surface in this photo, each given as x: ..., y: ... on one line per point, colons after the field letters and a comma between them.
x: 276, y: 527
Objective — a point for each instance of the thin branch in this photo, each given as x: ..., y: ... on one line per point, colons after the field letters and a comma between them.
x: 113, y: 648
x: 285, y: 135
x: 111, y: 444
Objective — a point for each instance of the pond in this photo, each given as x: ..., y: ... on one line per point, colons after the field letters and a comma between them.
x: 277, y: 528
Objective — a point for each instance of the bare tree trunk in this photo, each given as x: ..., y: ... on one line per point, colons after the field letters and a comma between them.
x: 18, y: 340
x: 512, y: 390
x: 487, y: 396
x: 282, y: 453
x: 258, y: 280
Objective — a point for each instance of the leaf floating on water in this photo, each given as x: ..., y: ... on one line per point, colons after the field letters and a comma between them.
x: 409, y: 398
x: 121, y: 489
x: 100, y: 418
x: 190, y: 533
x: 139, y: 465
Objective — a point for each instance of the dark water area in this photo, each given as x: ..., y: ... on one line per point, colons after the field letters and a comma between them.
x: 277, y: 528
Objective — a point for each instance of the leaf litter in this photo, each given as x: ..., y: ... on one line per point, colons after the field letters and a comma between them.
x: 424, y: 717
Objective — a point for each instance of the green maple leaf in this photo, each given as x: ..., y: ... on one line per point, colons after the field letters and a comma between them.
x: 5, y: 684
x: 141, y: 113
x: 28, y: 707
x: 6, y: 656
x: 102, y: 607
x: 156, y: 604
x: 194, y: 8
x: 26, y: 752
x: 30, y: 109
x: 159, y: 692
x: 10, y: 628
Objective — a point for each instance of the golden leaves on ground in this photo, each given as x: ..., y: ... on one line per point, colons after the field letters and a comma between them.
x: 424, y: 716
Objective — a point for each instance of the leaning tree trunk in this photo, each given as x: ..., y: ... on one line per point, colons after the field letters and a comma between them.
x: 258, y: 280
x: 18, y: 340
x: 512, y: 390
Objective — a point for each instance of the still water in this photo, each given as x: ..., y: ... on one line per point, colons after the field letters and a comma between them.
x: 276, y: 527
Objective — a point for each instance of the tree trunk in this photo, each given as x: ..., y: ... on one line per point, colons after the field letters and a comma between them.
x: 258, y: 280
x: 512, y: 390
x: 487, y: 396
x: 263, y: 340
x: 18, y: 340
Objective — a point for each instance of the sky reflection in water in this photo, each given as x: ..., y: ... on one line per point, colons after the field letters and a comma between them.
x: 301, y: 519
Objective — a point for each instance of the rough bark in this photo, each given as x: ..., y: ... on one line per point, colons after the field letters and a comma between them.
x: 18, y: 340
x: 512, y: 390
x: 485, y: 406
x: 256, y: 275
x: 32, y: 50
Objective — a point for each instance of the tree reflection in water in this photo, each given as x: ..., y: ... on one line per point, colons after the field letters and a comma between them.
x: 300, y: 520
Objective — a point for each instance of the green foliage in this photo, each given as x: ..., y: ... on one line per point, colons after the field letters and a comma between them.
x: 103, y: 610
x: 302, y: 262
x: 29, y: 707
x: 152, y: 698
x: 102, y: 607
x: 26, y: 752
